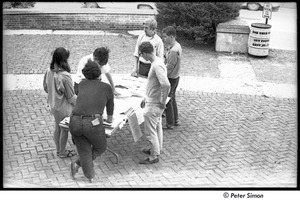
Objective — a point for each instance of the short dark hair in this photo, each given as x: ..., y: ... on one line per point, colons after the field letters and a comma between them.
x: 146, y: 47
x: 170, y: 31
x: 91, y: 70
x: 101, y: 55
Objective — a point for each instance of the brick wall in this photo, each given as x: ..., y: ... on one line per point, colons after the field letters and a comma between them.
x: 86, y: 19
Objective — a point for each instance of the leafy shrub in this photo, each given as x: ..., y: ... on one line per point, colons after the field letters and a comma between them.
x: 15, y: 4
x: 90, y: 5
x: 196, y: 21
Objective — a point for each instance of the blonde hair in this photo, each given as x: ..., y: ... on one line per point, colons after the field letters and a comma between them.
x: 152, y: 23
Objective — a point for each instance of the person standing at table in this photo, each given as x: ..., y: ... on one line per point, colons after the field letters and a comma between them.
x: 173, y: 63
x: 142, y: 66
x: 61, y: 98
x: 86, y: 123
x: 157, y: 89
x: 100, y: 55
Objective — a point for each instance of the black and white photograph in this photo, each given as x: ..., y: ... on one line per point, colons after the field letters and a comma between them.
x: 150, y: 96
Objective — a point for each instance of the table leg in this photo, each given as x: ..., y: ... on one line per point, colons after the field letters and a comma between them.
x: 114, y: 153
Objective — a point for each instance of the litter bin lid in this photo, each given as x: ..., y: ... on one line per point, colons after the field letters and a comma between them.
x: 261, y: 25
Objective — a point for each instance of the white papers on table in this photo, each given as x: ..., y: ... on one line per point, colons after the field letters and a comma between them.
x: 122, y: 105
x: 118, y: 121
x: 124, y: 93
x: 136, y: 86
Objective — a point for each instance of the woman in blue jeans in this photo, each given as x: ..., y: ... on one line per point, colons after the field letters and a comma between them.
x: 86, y: 124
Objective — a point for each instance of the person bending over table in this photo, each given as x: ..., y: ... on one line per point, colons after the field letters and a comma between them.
x: 157, y: 89
x: 100, y: 55
x: 86, y: 123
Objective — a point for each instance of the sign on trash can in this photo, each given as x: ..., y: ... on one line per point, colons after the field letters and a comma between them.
x: 259, y: 39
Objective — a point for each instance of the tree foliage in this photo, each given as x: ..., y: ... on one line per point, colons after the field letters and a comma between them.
x: 17, y: 4
x: 196, y: 21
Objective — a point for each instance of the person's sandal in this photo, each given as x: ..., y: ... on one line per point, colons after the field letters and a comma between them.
x: 148, y: 161
x: 168, y: 127
x: 69, y: 153
x: 146, y: 151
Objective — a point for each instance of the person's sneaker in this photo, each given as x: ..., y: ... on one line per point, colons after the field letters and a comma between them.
x: 147, y: 161
x: 146, y: 151
x: 74, y: 170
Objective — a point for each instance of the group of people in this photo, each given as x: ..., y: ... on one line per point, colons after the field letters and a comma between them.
x: 85, y: 99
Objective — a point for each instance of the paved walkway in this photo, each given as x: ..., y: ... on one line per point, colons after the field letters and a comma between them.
x: 209, y: 85
x: 236, y: 77
x: 235, y: 132
x: 223, y: 141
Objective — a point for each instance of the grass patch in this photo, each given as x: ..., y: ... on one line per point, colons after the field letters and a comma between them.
x: 280, y: 66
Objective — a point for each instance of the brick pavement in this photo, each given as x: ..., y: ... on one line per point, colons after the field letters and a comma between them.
x: 223, y: 141
x: 33, y: 52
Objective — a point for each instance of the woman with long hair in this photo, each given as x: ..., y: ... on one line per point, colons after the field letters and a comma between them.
x: 61, y: 99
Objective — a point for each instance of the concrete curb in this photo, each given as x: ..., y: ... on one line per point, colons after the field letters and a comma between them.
x: 190, y: 83
x: 62, y: 32
x: 236, y: 77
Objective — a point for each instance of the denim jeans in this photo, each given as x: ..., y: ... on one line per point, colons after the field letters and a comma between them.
x: 172, y: 111
x: 90, y: 142
x: 153, y: 128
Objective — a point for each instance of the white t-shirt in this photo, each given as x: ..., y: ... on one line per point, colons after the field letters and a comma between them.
x: 79, y: 75
x: 157, y: 43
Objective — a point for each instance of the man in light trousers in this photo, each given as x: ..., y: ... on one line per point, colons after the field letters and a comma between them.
x: 157, y: 90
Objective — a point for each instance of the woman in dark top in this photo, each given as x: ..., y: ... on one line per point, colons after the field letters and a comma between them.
x: 86, y: 124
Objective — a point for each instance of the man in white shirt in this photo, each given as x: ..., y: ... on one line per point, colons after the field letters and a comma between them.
x: 100, y: 56
x: 141, y: 65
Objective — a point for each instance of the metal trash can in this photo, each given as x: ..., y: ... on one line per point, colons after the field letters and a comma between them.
x: 259, y: 39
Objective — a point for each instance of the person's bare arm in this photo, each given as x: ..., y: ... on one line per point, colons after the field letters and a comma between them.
x: 109, y: 78
x: 136, y: 68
